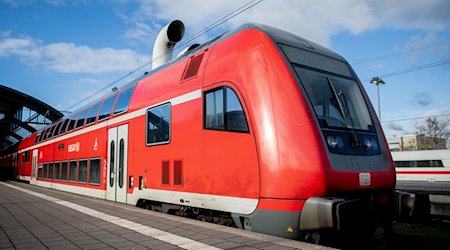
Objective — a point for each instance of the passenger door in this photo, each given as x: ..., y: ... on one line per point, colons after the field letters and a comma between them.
x: 116, y: 189
x: 34, y: 167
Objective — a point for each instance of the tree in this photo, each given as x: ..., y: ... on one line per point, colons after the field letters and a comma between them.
x: 436, y: 131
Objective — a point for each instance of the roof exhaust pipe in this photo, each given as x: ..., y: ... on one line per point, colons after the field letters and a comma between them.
x: 165, y: 42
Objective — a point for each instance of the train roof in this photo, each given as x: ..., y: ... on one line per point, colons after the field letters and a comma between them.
x: 438, y: 154
x: 278, y: 36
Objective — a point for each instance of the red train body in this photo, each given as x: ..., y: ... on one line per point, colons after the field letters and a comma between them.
x: 260, y: 124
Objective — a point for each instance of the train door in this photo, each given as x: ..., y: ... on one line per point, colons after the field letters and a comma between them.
x: 34, y: 167
x: 14, y: 163
x: 116, y: 189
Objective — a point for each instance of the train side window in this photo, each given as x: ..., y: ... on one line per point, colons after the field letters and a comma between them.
x: 123, y: 101
x: 105, y: 112
x: 214, y: 110
x: 94, y: 172
x: 81, y: 118
x: 405, y: 164
x: 82, y: 171
x: 72, y: 171
x: 158, y: 125
x: 50, y: 171
x: 430, y: 164
x: 40, y: 171
x: 45, y: 171
x: 64, y: 171
x: 93, y: 113
x: 26, y: 156
x: 223, y: 111
x: 57, y: 175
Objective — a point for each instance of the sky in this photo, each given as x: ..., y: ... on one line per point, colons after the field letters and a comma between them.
x: 63, y: 52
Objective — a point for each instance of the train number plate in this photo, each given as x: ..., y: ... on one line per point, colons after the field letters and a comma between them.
x: 364, y: 179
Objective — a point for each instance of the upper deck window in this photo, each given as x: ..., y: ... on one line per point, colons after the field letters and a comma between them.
x: 105, y: 112
x: 48, y: 133
x: 92, y: 115
x: 223, y: 111
x: 56, y: 131
x: 123, y: 101
x: 81, y: 117
x: 72, y: 122
x: 41, y: 136
x: 64, y: 126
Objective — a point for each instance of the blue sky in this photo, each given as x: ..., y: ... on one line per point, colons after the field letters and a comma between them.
x: 64, y: 51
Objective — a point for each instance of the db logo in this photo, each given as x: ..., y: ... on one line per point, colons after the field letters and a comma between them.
x: 364, y: 179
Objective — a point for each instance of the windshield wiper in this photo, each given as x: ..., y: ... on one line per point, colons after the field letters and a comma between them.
x: 355, y: 137
x: 343, y: 109
x: 335, y: 96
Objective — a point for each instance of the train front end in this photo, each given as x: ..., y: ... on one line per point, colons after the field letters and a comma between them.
x: 332, y: 151
x: 360, y: 176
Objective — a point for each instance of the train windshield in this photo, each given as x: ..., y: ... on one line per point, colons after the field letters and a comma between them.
x: 332, y: 90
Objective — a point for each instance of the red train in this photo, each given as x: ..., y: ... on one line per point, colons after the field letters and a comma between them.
x: 258, y: 127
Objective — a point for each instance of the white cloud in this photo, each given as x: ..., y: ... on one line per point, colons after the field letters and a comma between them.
x: 438, y: 52
x: 17, y: 3
x: 315, y: 20
x: 20, y: 3
x: 71, y: 58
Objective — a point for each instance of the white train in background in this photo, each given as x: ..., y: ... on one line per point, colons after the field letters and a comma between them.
x: 422, y: 165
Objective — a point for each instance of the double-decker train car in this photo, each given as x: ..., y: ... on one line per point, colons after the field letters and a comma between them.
x: 258, y: 127
x: 422, y: 165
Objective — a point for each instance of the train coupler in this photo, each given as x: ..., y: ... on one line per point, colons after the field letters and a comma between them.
x: 415, y: 206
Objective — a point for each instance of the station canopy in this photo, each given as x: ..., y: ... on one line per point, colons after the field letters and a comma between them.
x: 21, y: 115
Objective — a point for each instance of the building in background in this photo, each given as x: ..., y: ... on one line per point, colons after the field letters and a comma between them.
x: 415, y: 142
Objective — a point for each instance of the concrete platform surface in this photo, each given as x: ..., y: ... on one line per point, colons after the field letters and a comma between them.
x: 38, y: 218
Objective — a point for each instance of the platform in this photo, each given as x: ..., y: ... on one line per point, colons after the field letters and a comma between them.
x: 431, y: 187
x: 37, y: 218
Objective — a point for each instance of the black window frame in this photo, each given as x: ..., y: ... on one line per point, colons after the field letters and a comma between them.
x: 72, y: 122
x: 82, y: 172
x: 79, y: 122
x: 224, y: 111
x: 40, y: 171
x: 70, y: 171
x: 129, y: 93
x: 113, y: 98
x: 57, y: 128
x: 90, y: 116
x: 57, y: 171
x: 169, y: 122
x: 63, y: 128
x: 65, y: 177
x: 90, y: 182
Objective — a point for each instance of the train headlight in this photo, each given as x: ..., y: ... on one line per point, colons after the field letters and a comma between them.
x: 374, y: 144
x: 368, y: 144
x: 331, y: 141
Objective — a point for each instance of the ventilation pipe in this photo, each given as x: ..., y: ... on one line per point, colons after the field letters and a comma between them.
x: 165, y: 42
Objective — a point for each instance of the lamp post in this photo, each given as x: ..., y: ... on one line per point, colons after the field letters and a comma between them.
x: 378, y: 81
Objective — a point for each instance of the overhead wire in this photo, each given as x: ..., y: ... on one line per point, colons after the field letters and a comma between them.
x: 412, y: 69
x: 222, y: 20
x: 400, y: 53
x: 417, y: 118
